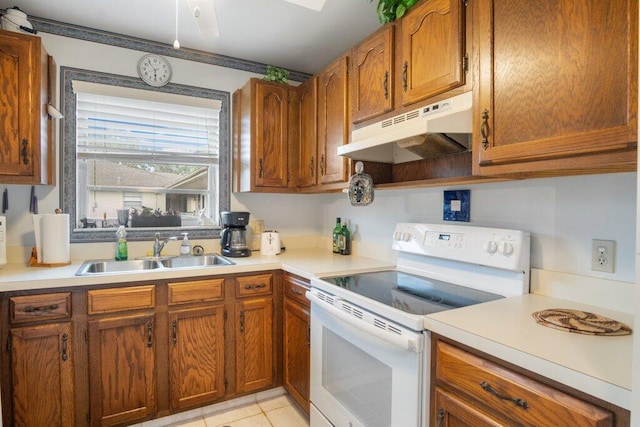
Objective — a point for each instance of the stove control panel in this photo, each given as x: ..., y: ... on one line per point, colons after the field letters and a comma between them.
x: 494, y: 247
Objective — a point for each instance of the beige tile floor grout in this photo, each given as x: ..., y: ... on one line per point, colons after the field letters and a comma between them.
x: 261, y: 410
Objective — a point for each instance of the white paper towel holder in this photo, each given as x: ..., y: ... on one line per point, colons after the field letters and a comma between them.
x: 33, y: 261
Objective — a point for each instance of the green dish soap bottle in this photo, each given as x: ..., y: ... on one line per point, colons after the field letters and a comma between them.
x: 121, y: 245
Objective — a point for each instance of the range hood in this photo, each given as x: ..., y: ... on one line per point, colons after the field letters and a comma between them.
x: 440, y: 128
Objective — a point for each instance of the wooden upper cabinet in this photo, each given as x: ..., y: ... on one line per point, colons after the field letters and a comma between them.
x: 557, y: 86
x: 262, y: 137
x: 25, y: 126
x: 372, y: 76
x: 308, y: 147
x: 271, y: 153
x: 333, y: 121
x: 432, y: 49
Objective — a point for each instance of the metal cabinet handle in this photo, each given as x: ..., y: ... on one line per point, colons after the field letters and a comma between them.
x: 441, y: 414
x: 385, y: 85
x: 242, y: 322
x: 322, y: 164
x: 312, y: 166
x: 174, y: 332
x: 260, y: 286
x: 25, y: 151
x: 31, y: 309
x: 149, y: 334
x: 405, y: 67
x: 519, y: 402
x: 296, y: 291
x: 65, y: 356
x: 484, y: 129
x: 260, y: 166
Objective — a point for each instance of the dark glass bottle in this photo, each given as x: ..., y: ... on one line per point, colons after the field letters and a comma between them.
x: 345, y: 246
x: 337, y: 230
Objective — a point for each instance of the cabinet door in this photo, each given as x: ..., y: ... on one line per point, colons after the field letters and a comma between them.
x: 297, y: 352
x: 451, y: 411
x: 42, y: 374
x: 308, y: 149
x: 372, y: 76
x: 558, y: 86
x: 254, y: 344
x: 196, y: 353
x: 122, y: 369
x: 23, y: 119
x: 270, y: 117
x: 333, y: 126
x: 432, y: 49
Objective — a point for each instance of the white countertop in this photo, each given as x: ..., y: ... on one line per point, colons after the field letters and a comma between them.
x: 599, y: 366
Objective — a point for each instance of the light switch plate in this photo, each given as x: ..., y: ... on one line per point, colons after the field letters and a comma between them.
x: 457, y: 205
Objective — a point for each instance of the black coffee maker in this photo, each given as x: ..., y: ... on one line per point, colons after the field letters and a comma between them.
x: 233, y: 238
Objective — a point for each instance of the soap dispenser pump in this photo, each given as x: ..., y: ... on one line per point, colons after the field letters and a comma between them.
x: 185, y: 247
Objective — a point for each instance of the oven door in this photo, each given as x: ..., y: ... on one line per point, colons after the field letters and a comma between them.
x: 363, y: 373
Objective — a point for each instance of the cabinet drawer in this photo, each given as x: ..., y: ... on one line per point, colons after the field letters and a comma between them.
x: 518, y: 398
x: 120, y: 299
x: 296, y: 288
x: 196, y: 291
x: 254, y: 285
x: 29, y: 308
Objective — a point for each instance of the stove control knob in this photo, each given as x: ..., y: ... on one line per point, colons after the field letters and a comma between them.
x: 507, y: 248
x: 406, y: 237
x: 397, y: 235
x: 491, y: 247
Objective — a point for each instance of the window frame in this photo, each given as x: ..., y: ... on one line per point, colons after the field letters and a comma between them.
x: 68, y: 194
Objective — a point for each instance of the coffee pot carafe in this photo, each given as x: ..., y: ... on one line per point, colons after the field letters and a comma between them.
x: 233, y: 238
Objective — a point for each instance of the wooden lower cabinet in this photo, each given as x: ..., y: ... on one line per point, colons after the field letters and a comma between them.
x: 42, y: 375
x: 196, y: 356
x: 297, y: 340
x: 122, y: 367
x: 254, y: 344
x: 472, y: 389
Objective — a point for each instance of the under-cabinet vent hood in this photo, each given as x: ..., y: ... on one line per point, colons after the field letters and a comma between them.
x: 435, y: 129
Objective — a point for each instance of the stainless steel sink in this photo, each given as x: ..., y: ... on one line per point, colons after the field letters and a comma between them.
x: 112, y: 266
x: 196, y: 261
x: 159, y: 263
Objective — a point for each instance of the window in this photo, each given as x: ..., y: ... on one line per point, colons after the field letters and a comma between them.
x: 153, y: 158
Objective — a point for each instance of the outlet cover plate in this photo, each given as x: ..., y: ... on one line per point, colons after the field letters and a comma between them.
x: 457, y: 205
x: 603, y: 255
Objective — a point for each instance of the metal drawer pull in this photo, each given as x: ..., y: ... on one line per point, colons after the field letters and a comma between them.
x: 260, y: 286
x: 31, y: 309
x: 296, y: 291
x: 520, y: 402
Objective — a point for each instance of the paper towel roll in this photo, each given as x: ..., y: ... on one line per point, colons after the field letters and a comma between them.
x: 54, y: 235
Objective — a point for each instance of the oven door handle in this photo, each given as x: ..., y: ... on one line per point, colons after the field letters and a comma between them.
x: 411, y: 343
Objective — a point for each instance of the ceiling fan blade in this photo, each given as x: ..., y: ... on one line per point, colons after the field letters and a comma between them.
x: 204, y: 12
x: 309, y: 4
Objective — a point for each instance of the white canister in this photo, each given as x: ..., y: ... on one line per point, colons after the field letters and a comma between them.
x: 270, y: 244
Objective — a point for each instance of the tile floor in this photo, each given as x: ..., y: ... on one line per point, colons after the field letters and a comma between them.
x: 270, y: 409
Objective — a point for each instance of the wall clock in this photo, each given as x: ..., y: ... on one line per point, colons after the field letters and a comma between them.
x: 154, y: 70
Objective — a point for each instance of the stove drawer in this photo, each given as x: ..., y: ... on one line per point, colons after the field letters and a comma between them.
x: 510, y: 395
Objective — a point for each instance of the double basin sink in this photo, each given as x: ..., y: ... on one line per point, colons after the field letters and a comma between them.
x: 152, y: 263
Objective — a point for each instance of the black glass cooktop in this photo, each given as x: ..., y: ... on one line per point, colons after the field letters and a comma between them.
x: 410, y: 293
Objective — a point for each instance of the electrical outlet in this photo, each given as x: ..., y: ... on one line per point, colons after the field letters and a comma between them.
x: 603, y: 255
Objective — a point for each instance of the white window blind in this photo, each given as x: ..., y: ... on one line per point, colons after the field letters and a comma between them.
x: 127, y: 129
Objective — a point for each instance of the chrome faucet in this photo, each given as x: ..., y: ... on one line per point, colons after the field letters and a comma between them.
x: 157, y: 246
